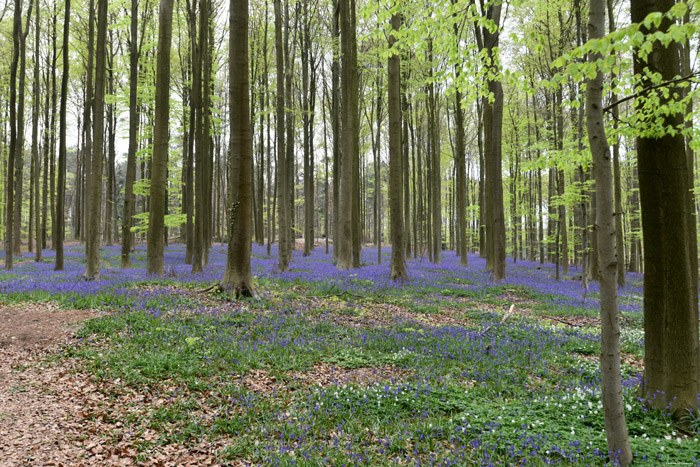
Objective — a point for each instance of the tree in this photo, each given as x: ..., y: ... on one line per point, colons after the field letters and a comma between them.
x: 9, y: 195
x: 349, y: 153
x: 493, y: 130
x: 134, y: 116
x: 61, y: 188
x: 237, y: 276
x: 671, y: 353
x: 398, y: 252
x: 610, y: 373
x: 284, y: 224
x: 94, y: 200
x: 159, y: 161
x: 19, y: 151
x: 35, y: 139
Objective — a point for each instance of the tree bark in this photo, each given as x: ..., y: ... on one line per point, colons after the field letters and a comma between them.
x: 398, y: 258
x: 283, y: 203
x: 348, y: 86
x: 94, y: 201
x: 61, y: 188
x: 134, y: 116
x: 672, y: 357
x: 238, y: 276
x: 159, y: 160
x: 610, y: 373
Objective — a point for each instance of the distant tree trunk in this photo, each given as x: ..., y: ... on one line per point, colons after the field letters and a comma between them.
x: 307, y: 99
x: 398, y: 259
x: 92, y: 265
x: 376, y: 149
x: 61, y: 191
x: 159, y: 160
x: 238, y: 276
x: 617, y: 176
x: 19, y: 153
x: 610, y: 373
x: 283, y: 204
x: 111, y: 136
x: 134, y: 116
x: 36, y: 179
x: 9, y: 181
x: 335, y: 122
x: 349, y: 108
x: 460, y: 165
x: 406, y: 177
x: 672, y: 357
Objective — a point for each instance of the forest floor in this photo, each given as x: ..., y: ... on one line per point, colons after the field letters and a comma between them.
x: 324, y: 367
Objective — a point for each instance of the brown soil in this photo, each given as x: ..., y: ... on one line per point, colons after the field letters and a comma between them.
x: 52, y: 413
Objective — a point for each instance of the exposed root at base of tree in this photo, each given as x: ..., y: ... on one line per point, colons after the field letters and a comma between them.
x: 238, y: 291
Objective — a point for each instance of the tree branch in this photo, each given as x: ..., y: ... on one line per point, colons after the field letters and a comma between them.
x: 649, y: 89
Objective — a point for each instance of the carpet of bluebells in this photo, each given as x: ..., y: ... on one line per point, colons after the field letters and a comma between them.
x: 460, y: 385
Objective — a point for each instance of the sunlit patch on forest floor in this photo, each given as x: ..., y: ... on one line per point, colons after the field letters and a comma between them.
x: 328, y: 367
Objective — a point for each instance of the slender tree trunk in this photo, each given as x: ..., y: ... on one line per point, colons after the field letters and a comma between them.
x: 92, y: 265
x: 61, y: 191
x: 159, y: 160
x: 617, y: 176
x: 130, y: 178
x: 398, y: 259
x: 36, y: 179
x: 283, y: 204
x: 610, y: 373
x: 9, y: 181
x: 19, y: 152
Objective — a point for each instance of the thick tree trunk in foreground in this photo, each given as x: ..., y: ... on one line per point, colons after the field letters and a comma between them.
x: 159, y: 161
x: 671, y: 355
x: 240, y: 217
x: 398, y: 258
x: 610, y: 374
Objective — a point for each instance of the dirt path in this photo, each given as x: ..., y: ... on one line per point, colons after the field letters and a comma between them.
x: 40, y: 400
x: 52, y: 413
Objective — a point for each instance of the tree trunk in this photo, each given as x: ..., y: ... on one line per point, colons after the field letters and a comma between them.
x: 672, y: 357
x: 35, y: 139
x: 19, y: 153
x: 283, y: 203
x: 159, y: 160
x: 349, y: 155
x: 238, y: 276
x: 9, y: 181
x: 61, y: 189
x: 398, y: 258
x: 129, y: 198
x: 610, y: 373
x: 94, y: 201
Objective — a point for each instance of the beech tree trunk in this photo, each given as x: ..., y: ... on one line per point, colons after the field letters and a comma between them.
x: 610, y: 373
x: 134, y: 116
x: 240, y: 217
x: 283, y: 203
x: 671, y: 353
x: 94, y: 200
x: 398, y: 258
x: 348, y: 86
x: 159, y: 160
x: 61, y: 188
